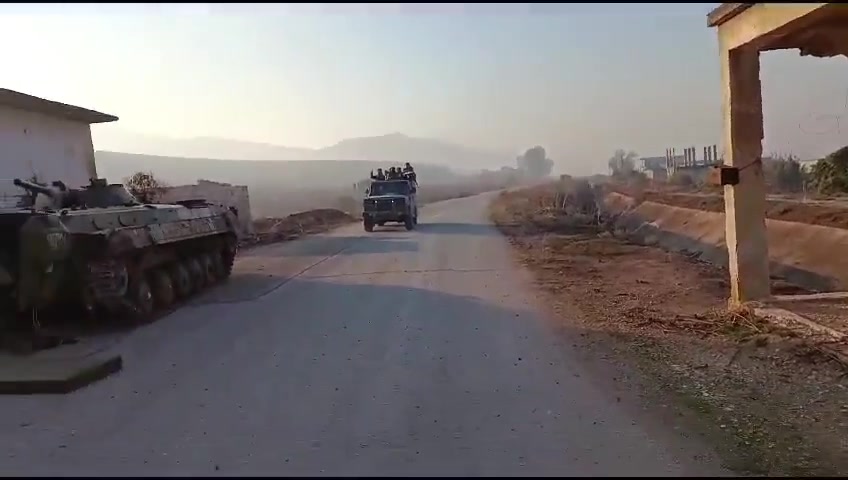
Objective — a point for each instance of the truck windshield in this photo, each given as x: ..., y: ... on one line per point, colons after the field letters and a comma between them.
x: 389, y: 188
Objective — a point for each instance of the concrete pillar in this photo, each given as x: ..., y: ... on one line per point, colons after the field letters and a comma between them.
x: 744, y: 203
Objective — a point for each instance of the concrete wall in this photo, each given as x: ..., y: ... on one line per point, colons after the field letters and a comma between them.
x: 35, y: 144
x: 802, y: 254
x: 218, y: 193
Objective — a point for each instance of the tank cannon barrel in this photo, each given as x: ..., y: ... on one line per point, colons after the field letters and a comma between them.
x: 34, y: 187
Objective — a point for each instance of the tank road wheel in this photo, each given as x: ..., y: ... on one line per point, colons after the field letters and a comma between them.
x: 208, y: 269
x: 227, y: 257
x: 180, y: 279
x: 88, y: 303
x: 198, y: 278
x: 140, y: 299
x: 163, y: 288
x: 218, y: 266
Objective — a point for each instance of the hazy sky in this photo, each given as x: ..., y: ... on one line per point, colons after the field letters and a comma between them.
x: 579, y: 79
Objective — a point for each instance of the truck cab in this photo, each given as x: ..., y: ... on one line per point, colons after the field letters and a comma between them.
x: 390, y: 201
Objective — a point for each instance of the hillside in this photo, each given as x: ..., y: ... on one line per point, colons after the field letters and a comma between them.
x: 395, y: 147
x: 115, y: 139
x: 254, y: 173
x: 415, y: 150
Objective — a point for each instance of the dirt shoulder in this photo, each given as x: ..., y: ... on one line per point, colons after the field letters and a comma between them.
x: 830, y: 213
x: 296, y: 225
x: 767, y: 398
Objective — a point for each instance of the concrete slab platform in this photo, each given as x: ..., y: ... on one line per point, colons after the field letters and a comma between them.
x: 59, y: 370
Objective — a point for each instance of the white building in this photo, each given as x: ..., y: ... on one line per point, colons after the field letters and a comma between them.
x: 213, y: 192
x: 44, y: 140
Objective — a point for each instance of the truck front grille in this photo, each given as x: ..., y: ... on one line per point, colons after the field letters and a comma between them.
x: 383, y: 205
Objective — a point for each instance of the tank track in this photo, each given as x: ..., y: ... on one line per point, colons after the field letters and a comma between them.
x: 160, y: 286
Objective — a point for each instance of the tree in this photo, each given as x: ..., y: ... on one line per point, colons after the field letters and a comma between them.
x: 535, y: 163
x: 144, y: 186
x: 785, y: 173
x: 830, y: 174
x: 623, y: 164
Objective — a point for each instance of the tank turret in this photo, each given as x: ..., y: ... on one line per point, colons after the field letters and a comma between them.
x: 98, y: 194
x: 101, y: 194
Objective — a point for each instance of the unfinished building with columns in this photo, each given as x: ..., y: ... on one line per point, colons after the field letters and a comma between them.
x: 744, y: 31
x: 698, y: 169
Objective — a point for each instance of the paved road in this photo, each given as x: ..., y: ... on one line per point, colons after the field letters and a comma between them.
x: 394, y: 353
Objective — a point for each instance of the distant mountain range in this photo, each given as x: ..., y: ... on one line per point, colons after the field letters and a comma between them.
x: 394, y: 147
x: 263, y: 175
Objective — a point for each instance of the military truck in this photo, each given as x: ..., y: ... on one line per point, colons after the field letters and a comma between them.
x: 390, y: 201
x: 100, y: 248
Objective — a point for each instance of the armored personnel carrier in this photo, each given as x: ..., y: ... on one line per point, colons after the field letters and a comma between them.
x: 100, y: 248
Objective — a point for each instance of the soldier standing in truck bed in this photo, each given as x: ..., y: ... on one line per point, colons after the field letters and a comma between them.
x: 409, y: 172
x: 379, y: 176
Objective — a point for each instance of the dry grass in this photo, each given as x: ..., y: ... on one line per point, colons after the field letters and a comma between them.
x: 829, y: 212
x: 769, y: 399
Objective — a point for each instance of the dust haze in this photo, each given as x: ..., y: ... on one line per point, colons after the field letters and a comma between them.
x: 284, y: 180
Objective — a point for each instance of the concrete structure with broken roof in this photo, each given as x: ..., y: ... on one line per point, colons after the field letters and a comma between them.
x: 45, y: 140
x: 744, y: 31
